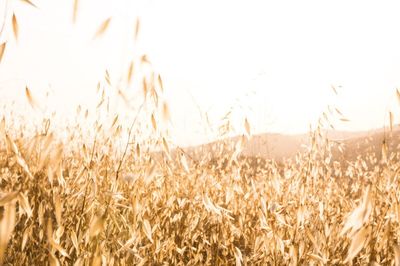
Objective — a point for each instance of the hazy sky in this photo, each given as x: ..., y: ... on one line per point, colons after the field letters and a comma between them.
x: 278, y: 59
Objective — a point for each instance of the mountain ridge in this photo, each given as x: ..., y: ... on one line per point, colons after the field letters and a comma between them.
x: 280, y: 146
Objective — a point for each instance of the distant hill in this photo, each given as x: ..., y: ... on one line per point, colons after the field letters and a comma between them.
x: 280, y: 146
x: 371, y: 142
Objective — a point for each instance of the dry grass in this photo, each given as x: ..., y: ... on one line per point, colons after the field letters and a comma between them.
x: 116, y: 195
x: 90, y: 201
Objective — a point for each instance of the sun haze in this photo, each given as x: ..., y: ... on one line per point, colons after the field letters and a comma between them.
x: 273, y: 62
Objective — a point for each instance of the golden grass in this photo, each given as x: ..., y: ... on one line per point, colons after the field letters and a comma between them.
x: 116, y: 195
x: 65, y: 204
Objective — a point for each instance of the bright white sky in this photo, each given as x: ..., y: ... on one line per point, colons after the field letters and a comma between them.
x: 278, y: 57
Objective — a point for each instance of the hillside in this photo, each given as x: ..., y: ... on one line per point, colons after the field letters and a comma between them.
x: 279, y: 146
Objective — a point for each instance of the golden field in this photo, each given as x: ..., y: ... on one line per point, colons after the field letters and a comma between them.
x: 103, y: 191
x: 101, y: 197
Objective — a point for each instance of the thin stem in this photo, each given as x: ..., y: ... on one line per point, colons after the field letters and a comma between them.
x: 82, y: 210
x: 128, y: 140
x: 188, y: 155
x: 92, y: 153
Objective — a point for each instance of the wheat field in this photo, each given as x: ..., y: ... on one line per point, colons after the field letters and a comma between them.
x: 98, y: 191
